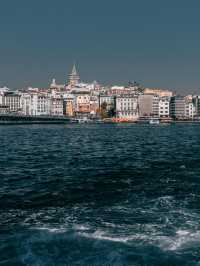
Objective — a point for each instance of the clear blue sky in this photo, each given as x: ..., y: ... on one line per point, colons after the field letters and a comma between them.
x: 155, y: 42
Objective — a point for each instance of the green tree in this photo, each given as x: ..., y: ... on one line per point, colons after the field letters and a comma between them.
x: 111, y: 112
x: 103, y: 110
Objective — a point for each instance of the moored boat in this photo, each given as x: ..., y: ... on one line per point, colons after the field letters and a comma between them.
x: 154, y: 121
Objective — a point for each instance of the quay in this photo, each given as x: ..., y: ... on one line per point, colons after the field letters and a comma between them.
x: 7, y: 119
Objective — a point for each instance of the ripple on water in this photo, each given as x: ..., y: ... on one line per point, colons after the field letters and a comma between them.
x: 100, y: 195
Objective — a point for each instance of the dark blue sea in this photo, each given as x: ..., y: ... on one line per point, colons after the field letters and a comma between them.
x: 102, y: 194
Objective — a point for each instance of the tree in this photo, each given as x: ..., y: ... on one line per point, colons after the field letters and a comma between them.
x: 111, y: 112
x: 103, y: 110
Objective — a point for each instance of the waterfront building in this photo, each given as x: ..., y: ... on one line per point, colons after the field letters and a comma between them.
x: 13, y: 100
x: 94, y: 105
x: 177, y: 107
x: 164, y: 106
x: 73, y: 78
x: 108, y: 100
x: 190, y: 111
x: 82, y: 104
x: 196, y: 102
x: 35, y: 103
x: 57, y: 106
x: 26, y: 103
x: 90, y: 99
x: 69, y: 104
x: 1, y: 99
x: 127, y: 107
x: 4, y: 109
x: 148, y: 105
x: 42, y: 104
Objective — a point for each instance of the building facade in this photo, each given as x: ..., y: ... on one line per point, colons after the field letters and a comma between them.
x: 196, y: 103
x: 57, y: 106
x: 127, y: 107
x: 164, y: 106
x: 12, y: 100
x: 109, y: 100
x: 177, y: 107
x: 190, y: 111
x: 36, y: 104
x: 69, y: 105
x: 148, y: 105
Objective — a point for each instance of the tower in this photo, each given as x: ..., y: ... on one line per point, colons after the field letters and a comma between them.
x: 73, y: 78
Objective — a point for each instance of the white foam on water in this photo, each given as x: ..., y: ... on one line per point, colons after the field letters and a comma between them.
x: 182, y: 239
x: 112, y: 225
x: 100, y: 235
x: 80, y: 227
x: 52, y: 230
x: 182, y: 232
x: 149, y: 234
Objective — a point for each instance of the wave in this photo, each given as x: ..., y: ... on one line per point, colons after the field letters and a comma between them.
x: 100, y: 235
x: 52, y: 230
x: 184, y: 239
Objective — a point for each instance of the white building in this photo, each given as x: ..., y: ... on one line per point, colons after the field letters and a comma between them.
x: 36, y: 104
x: 189, y: 110
x: 56, y: 106
x: 164, y: 106
x: 26, y: 103
x: 12, y: 100
x: 4, y: 109
x: 82, y: 103
x: 127, y: 107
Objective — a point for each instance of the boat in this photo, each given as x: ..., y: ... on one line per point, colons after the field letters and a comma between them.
x: 154, y: 121
x: 143, y: 120
x: 165, y: 120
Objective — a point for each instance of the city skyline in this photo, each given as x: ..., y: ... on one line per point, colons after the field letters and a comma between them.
x: 155, y: 44
x: 74, y: 70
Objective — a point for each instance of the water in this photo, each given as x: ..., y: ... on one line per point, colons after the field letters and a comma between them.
x: 100, y: 195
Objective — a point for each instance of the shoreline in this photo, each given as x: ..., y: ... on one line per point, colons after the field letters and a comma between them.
x: 50, y: 122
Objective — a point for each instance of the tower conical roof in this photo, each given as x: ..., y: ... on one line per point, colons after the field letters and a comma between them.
x: 73, y: 78
x: 74, y: 71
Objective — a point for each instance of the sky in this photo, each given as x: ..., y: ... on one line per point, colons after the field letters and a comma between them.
x: 154, y: 42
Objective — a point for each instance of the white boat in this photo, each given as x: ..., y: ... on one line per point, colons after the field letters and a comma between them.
x: 154, y: 121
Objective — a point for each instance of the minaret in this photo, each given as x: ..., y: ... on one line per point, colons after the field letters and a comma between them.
x: 53, y: 83
x: 73, y: 78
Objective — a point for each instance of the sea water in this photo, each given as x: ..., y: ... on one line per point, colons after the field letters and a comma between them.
x: 107, y: 194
